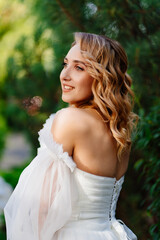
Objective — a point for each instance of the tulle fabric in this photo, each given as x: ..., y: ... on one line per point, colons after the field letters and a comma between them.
x: 107, y: 234
x: 41, y: 202
x: 40, y: 207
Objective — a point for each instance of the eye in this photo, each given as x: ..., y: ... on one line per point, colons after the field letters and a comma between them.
x: 64, y: 64
x: 79, y: 68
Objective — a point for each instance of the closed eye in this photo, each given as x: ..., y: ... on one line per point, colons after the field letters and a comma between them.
x: 79, y: 68
x: 64, y: 64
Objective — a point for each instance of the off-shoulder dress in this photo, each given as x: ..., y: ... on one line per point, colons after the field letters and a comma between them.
x: 55, y: 200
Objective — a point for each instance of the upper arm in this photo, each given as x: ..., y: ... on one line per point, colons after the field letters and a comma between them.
x: 64, y: 129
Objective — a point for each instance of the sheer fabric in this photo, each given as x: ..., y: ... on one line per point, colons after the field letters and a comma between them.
x: 54, y: 200
x: 41, y: 201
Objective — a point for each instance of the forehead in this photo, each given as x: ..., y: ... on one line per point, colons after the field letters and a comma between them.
x: 75, y: 53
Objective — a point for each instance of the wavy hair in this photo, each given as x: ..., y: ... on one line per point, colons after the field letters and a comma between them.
x: 112, y: 95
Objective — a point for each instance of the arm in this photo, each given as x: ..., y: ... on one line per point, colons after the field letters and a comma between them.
x: 41, y: 202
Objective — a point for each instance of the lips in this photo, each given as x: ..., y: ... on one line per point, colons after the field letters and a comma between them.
x: 67, y: 87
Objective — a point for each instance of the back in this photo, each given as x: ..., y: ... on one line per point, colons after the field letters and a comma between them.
x: 93, y: 146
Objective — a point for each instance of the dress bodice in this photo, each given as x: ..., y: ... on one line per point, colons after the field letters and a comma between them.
x: 97, y: 195
x: 55, y: 200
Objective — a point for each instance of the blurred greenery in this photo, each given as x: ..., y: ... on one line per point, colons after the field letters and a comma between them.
x: 148, y: 145
x: 11, y: 176
x: 34, y: 38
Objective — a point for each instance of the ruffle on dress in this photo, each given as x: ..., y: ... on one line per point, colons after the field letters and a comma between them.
x: 41, y: 202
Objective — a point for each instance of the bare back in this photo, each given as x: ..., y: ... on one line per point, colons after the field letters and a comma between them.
x: 93, y: 147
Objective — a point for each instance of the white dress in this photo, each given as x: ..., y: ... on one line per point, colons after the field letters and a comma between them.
x: 54, y: 200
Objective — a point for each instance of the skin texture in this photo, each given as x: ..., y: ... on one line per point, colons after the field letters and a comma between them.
x: 82, y: 132
x: 74, y: 74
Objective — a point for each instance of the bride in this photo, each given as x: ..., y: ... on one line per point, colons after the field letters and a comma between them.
x: 70, y: 189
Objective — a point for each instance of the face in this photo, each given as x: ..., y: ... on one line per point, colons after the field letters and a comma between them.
x: 75, y: 81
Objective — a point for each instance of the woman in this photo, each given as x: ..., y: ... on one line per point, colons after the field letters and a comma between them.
x: 70, y: 190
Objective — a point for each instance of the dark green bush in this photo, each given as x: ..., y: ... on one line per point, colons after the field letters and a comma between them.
x: 3, y: 129
x: 148, y: 145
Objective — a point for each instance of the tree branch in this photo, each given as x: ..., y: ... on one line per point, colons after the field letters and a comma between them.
x: 69, y: 16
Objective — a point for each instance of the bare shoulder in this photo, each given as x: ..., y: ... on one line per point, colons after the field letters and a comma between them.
x: 69, y: 116
x: 66, y: 126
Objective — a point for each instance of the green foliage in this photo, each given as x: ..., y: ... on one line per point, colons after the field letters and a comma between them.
x: 134, y: 24
x: 30, y: 72
x: 3, y: 130
x: 33, y: 44
x: 2, y: 228
x: 11, y: 176
x: 148, y: 142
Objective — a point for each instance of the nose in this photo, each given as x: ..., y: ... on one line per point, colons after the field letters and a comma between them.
x: 65, y: 74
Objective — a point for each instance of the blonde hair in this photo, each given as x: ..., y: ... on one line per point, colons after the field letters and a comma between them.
x: 112, y: 95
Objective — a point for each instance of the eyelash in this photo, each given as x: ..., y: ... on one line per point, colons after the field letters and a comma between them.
x: 77, y: 67
x: 63, y: 64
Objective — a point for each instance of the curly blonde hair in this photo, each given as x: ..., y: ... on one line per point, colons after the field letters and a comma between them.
x: 112, y: 95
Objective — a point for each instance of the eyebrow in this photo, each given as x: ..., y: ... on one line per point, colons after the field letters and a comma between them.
x: 77, y: 61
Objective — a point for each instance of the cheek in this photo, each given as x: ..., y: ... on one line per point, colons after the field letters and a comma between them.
x: 86, y: 85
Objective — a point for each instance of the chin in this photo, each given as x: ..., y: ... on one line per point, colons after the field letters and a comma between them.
x: 69, y: 101
x: 72, y: 101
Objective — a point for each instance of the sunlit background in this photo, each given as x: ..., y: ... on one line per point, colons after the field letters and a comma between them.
x: 34, y: 38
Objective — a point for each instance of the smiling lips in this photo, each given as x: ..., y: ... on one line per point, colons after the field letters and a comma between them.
x: 67, y: 88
